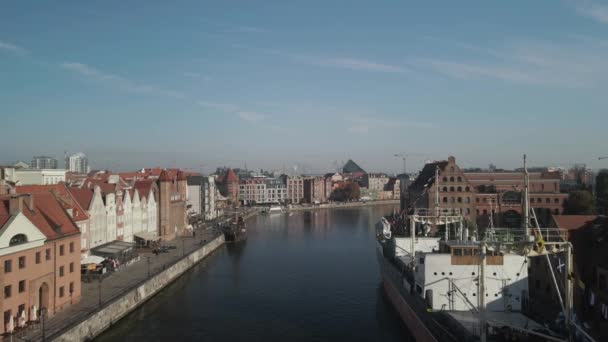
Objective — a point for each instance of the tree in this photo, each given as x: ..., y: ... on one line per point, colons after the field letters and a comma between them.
x: 348, y: 192
x: 579, y: 202
x: 601, y: 192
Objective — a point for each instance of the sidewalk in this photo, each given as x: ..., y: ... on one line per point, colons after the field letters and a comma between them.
x: 114, y: 285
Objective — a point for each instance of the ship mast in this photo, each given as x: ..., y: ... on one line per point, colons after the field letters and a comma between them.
x: 526, y: 205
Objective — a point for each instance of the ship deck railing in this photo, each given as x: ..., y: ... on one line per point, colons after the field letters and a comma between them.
x: 518, y: 235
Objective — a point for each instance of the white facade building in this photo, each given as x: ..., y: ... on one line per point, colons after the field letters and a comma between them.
x: 77, y: 163
x: 34, y: 176
x: 208, y: 203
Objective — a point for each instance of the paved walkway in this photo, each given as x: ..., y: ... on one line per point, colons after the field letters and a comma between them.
x: 115, y: 284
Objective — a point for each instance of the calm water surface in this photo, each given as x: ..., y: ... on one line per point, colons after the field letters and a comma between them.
x: 307, y: 276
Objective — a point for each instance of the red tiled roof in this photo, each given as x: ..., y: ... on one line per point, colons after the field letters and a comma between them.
x: 82, y: 196
x: 61, y: 192
x: 143, y: 187
x: 165, y: 176
x: 181, y: 176
x: 48, y: 215
x: 231, y: 177
x: 572, y: 222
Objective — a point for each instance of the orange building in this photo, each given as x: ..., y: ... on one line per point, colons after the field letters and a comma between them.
x: 39, y: 256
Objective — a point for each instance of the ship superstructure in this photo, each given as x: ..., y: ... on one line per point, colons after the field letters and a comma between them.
x: 450, y: 284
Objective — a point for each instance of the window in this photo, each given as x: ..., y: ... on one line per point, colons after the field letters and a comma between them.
x: 22, y: 286
x: 18, y: 239
x: 460, y: 179
x: 451, y: 199
x: 421, y: 261
x: 71, y: 288
x: 71, y: 267
x: 459, y: 189
x: 445, y: 200
x: 468, y: 211
x: 7, y: 291
x: 71, y: 247
x: 468, y: 252
x: 38, y: 257
x: 61, y: 271
x: 531, y: 200
x: 22, y: 262
x: 7, y: 316
x: 451, y: 179
x: 457, y: 251
x: 459, y: 199
x: 47, y: 254
x: 61, y: 250
x: 467, y: 200
x: 451, y: 189
x: 477, y: 200
x: 556, y: 201
x: 61, y: 291
x: 445, y: 189
x: 445, y: 179
x: 548, y: 200
x: 467, y: 189
x: 8, y: 266
x: 20, y: 309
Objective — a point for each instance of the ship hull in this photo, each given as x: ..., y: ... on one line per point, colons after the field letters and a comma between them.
x: 410, y: 307
x: 235, y: 235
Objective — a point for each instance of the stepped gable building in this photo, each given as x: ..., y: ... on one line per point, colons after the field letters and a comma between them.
x: 173, y: 187
x: 39, y: 256
x: 482, y: 196
x: 71, y: 205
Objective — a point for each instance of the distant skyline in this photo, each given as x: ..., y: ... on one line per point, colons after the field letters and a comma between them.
x: 201, y: 84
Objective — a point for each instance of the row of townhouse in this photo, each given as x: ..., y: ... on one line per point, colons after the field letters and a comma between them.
x: 203, y: 197
x: 39, y: 254
x: 262, y: 190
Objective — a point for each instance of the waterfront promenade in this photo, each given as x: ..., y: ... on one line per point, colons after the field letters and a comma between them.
x: 96, y: 295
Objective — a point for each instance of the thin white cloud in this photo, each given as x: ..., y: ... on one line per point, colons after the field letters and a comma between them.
x: 251, y: 116
x: 594, y: 10
x: 224, y: 107
x: 12, y: 48
x: 364, y: 125
x: 119, y: 81
x: 355, y: 64
x: 350, y: 63
x: 569, y: 64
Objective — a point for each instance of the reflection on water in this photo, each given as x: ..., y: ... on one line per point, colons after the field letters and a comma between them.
x: 304, y: 276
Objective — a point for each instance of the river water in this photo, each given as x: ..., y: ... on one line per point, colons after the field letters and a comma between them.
x: 304, y: 276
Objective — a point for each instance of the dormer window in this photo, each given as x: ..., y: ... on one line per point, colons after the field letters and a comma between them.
x: 18, y: 239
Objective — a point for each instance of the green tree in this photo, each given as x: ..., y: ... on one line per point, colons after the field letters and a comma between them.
x: 601, y: 192
x: 348, y: 192
x: 579, y: 202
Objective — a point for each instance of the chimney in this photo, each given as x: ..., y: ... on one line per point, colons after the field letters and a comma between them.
x: 15, y: 205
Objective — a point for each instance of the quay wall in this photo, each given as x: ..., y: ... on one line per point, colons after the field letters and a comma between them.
x: 344, y: 205
x: 119, y: 308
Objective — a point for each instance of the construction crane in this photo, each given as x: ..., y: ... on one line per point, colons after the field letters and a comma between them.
x: 404, y: 155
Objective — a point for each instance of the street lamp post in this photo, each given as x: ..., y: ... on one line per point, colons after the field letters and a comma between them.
x: 183, y: 247
x: 148, y: 260
x: 42, y: 317
x: 99, y: 287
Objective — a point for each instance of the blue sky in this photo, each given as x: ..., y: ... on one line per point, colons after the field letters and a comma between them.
x: 191, y: 83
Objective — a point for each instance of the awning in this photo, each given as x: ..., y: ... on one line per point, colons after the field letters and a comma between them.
x: 92, y: 259
x: 147, y: 236
x: 114, y: 249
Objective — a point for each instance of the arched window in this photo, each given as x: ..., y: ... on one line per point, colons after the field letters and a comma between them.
x: 445, y: 189
x: 18, y: 239
x: 451, y: 189
x: 532, y: 200
x: 468, y: 211
x: 445, y: 179
x: 548, y: 200
x: 556, y: 201
x: 445, y: 200
x: 467, y: 200
x: 467, y: 189
x: 556, y: 211
x: 459, y: 199
x: 451, y: 179
x: 451, y: 199
x: 460, y: 179
x: 459, y: 189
